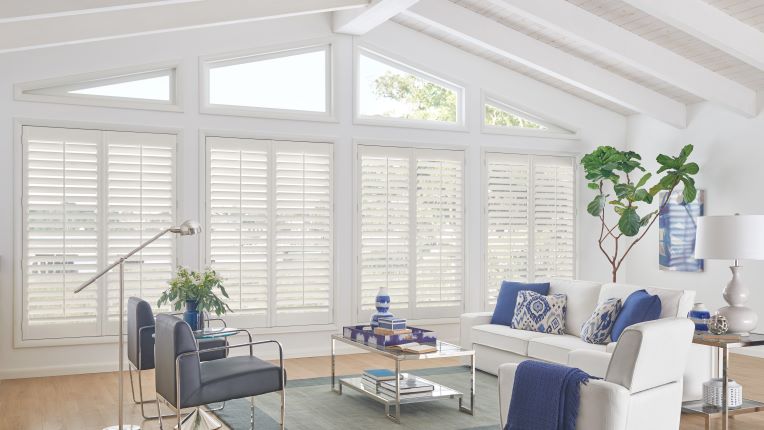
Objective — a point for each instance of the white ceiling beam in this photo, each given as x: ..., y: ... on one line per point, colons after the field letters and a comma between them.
x: 710, y: 25
x: 361, y: 21
x: 518, y: 47
x: 69, y: 29
x: 20, y: 10
x: 637, y: 52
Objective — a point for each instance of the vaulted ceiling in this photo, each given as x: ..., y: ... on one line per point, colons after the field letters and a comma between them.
x: 629, y: 56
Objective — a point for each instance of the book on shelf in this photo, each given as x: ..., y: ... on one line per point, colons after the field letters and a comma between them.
x: 407, y: 386
x: 388, y: 332
x: 379, y: 375
x: 390, y: 394
x: 414, y: 348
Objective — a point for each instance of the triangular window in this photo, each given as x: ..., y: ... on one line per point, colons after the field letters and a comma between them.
x: 498, y: 115
x: 144, y: 89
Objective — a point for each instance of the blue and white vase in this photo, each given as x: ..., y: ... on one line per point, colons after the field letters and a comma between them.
x: 700, y: 316
x: 383, y: 306
x: 191, y: 315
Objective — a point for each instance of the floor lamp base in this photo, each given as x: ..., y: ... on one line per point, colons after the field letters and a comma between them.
x: 124, y: 427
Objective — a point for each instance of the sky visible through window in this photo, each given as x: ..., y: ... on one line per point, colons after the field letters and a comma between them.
x: 157, y: 88
x: 294, y: 82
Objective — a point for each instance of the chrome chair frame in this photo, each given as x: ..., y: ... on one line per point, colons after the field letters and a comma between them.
x: 177, y: 407
x: 139, y: 370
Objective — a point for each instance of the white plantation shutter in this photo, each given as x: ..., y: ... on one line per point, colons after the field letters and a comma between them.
x: 238, y: 221
x: 385, y: 225
x: 439, y: 232
x: 554, y: 217
x: 507, y: 253
x: 411, y: 230
x: 303, y: 231
x: 529, y: 219
x: 270, y: 235
x: 87, y: 195
x: 140, y: 184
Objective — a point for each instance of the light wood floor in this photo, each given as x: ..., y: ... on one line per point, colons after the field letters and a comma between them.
x: 85, y: 402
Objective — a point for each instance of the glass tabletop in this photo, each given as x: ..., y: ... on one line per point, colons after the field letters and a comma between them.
x: 443, y: 350
x: 212, y: 333
x: 732, y: 341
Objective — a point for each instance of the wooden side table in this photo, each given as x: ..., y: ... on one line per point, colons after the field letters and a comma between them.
x: 724, y: 412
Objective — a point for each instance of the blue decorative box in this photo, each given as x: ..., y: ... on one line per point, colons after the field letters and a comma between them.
x: 364, y: 333
x: 392, y: 323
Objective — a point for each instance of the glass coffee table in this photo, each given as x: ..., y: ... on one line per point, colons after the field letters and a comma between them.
x: 444, y: 350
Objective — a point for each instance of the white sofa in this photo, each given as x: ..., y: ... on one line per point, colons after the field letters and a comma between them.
x: 498, y: 344
x: 643, y: 386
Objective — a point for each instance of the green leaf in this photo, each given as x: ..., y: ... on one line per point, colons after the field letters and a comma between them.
x: 643, y: 180
x: 646, y: 219
x: 665, y: 160
x: 641, y: 195
x: 690, y: 168
x: 629, y: 223
x: 690, y: 192
x: 595, y: 206
x: 619, y: 209
x: 622, y: 190
x: 593, y: 186
x: 684, y: 154
x: 617, y: 203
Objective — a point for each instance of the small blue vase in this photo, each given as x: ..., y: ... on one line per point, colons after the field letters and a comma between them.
x: 382, y: 304
x: 191, y: 315
x: 700, y: 316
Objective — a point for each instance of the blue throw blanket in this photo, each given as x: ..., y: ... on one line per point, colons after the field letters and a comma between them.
x: 545, y: 397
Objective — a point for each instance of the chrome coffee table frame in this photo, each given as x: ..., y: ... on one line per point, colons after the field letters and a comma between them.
x: 445, y: 350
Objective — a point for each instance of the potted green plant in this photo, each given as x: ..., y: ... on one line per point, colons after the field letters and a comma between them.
x: 197, y: 291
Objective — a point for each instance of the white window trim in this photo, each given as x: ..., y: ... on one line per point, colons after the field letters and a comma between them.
x: 18, y: 220
x: 204, y: 255
x: 175, y: 104
x: 485, y: 306
x: 362, y: 317
x: 416, y: 70
x: 276, y: 51
x: 487, y: 98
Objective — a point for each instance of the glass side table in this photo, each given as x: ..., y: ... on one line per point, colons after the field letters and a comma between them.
x: 724, y: 412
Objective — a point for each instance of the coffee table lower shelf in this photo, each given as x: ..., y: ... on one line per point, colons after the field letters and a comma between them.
x: 439, y: 392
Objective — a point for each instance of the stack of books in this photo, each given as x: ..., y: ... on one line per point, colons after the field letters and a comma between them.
x: 373, y: 377
x: 410, y: 386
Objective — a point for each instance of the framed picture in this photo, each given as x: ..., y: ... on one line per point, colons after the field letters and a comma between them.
x: 677, y: 225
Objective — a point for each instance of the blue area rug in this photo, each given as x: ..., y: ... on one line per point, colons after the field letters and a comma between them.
x: 311, y: 405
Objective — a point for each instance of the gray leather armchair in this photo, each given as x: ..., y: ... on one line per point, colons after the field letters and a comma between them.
x: 140, y: 346
x: 184, y: 381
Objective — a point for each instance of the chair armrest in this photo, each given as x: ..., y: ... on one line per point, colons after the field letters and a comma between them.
x: 603, y: 405
x: 595, y: 363
x: 469, y: 320
x: 228, y: 347
x: 611, y: 347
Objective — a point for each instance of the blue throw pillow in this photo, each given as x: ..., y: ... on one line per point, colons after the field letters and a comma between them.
x: 598, y: 328
x: 639, y: 307
x: 507, y: 300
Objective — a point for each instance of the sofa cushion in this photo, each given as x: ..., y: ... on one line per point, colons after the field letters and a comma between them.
x: 504, y: 338
x: 507, y: 300
x: 582, y: 299
x: 544, y: 314
x: 556, y: 348
x: 639, y: 307
x: 674, y: 303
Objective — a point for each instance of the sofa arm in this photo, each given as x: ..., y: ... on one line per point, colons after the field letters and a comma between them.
x: 595, y: 363
x: 603, y: 405
x: 469, y: 320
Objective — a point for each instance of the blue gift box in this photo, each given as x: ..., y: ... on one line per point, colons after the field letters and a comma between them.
x: 392, y: 323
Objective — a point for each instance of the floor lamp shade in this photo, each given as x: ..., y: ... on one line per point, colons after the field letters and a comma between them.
x: 733, y: 237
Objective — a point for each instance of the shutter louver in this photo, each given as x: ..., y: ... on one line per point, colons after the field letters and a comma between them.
x: 238, y: 182
x: 439, y: 229
x: 141, y: 188
x: 507, y: 225
x: 303, y: 233
x: 384, y: 226
x: 554, y: 217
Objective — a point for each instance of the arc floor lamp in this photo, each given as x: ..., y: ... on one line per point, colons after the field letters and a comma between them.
x: 188, y: 228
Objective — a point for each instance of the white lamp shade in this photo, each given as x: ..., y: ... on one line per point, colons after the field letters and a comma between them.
x: 730, y: 237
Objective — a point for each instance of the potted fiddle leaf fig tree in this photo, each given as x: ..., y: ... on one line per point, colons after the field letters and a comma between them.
x: 197, y: 291
x: 620, y: 184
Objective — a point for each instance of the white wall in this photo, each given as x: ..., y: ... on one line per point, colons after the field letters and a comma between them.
x: 597, y: 127
x: 730, y: 151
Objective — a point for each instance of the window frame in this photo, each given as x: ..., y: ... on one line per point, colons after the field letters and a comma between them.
x: 487, y: 98
x: 485, y: 151
x: 105, y: 77
x: 275, y: 51
x: 413, y: 68
x: 362, y: 316
x: 18, y: 221
x: 268, y: 322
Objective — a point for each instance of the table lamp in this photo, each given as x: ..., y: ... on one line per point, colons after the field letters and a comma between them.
x: 733, y: 237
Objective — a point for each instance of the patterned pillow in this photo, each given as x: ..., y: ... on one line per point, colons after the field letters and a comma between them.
x: 599, y: 325
x: 545, y: 314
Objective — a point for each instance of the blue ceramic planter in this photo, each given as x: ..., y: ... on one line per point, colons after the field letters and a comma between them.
x: 191, y: 315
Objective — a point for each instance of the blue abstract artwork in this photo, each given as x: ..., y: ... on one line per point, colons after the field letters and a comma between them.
x: 677, y: 225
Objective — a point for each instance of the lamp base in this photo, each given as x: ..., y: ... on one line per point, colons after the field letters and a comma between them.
x: 740, y: 319
x: 124, y: 427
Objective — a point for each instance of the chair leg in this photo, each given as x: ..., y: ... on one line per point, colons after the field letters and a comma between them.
x: 283, y: 407
x: 142, y: 402
x: 159, y: 415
